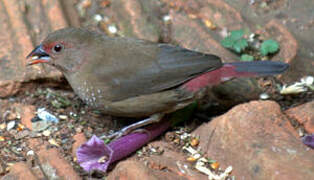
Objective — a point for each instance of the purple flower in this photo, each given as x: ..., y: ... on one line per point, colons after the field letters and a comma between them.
x: 94, y: 154
x: 309, y: 140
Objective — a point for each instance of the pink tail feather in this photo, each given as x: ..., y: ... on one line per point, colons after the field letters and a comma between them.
x: 234, y: 70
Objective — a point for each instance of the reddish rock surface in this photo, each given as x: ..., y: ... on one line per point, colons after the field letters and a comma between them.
x: 27, y: 113
x: 138, y: 18
x: 304, y: 114
x: 25, y: 24
x: 169, y: 165
x: 131, y: 170
x: 255, y: 139
x: 79, y: 139
x: 52, y: 162
x: 20, y: 171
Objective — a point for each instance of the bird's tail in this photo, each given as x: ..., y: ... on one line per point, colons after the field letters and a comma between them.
x: 234, y: 70
x: 257, y: 68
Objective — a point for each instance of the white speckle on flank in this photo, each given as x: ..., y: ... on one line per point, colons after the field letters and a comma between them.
x: 98, y: 90
x: 116, y: 81
x: 225, y: 78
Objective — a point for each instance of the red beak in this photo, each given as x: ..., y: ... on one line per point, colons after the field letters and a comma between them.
x: 38, y: 55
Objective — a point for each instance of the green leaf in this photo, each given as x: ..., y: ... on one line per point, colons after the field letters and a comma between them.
x: 227, y: 42
x: 246, y: 57
x: 237, y: 34
x: 269, y: 47
x: 240, y: 45
x: 235, y: 41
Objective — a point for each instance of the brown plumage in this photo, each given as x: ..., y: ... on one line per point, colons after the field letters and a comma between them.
x: 129, y: 77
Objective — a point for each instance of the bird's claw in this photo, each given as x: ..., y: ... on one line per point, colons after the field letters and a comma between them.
x: 136, y: 127
x: 123, y: 132
x: 116, y: 135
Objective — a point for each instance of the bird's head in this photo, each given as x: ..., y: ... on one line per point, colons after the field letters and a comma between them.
x: 65, y: 49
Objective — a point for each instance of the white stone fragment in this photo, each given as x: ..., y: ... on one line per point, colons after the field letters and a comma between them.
x: 166, y: 18
x: 264, y: 96
x: 30, y: 153
x: 97, y: 17
x: 10, y: 125
x: 46, y: 116
x: 112, y: 29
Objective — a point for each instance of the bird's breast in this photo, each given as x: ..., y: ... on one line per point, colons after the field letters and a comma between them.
x: 91, y: 92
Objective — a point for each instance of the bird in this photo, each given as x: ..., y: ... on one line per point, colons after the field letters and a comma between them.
x: 130, y: 77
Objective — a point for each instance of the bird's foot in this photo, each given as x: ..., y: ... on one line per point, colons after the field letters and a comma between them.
x: 134, y: 127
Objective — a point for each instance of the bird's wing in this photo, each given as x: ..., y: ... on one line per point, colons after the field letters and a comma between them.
x: 137, y: 67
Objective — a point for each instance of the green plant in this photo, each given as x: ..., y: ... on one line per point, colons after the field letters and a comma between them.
x: 246, y: 57
x: 235, y: 41
x: 269, y: 47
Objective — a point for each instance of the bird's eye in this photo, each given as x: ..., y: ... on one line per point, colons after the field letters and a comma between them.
x: 58, y: 48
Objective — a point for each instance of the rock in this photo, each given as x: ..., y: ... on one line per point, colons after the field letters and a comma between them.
x: 10, y: 125
x: 234, y: 92
x: 27, y: 113
x: 40, y: 125
x: 23, y: 26
x: 288, y: 44
x: 79, y: 139
x: 8, y: 88
x: 52, y: 162
x: 170, y: 165
x: 131, y: 170
x: 257, y: 140
x: 173, y: 161
x: 20, y: 171
x: 304, y: 114
x: 137, y: 18
x: 190, y: 34
x: 292, y: 18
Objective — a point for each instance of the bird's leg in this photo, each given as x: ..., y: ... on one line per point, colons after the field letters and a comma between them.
x: 134, y: 127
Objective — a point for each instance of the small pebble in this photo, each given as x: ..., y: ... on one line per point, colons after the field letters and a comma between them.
x: 63, y: 117
x: 30, y: 153
x: 97, y: 17
x: 112, y: 29
x: 2, y: 138
x: 53, y: 142
x: 46, y: 133
x: 214, y: 165
x: 3, y: 126
x: 264, y: 96
x: 194, y: 142
x: 166, y: 18
x: 191, y: 159
x: 46, y: 116
x: 309, y: 80
x: 10, y: 125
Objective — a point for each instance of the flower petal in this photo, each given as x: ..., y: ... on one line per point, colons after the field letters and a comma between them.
x: 309, y: 140
x: 90, y: 153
